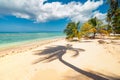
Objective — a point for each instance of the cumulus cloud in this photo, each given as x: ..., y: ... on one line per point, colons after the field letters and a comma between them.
x: 42, y: 11
x: 101, y: 16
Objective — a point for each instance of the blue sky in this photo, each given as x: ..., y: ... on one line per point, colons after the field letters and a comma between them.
x: 47, y: 15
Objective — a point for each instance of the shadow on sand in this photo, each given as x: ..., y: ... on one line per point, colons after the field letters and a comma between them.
x: 53, y: 53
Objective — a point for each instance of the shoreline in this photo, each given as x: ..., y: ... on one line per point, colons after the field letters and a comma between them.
x: 26, y: 41
x: 28, y: 45
x: 93, y: 58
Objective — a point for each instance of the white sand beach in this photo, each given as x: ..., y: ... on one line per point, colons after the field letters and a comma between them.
x: 52, y: 60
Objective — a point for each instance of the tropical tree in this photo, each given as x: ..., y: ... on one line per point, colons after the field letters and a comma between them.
x: 86, y: 29
x: 103, y: 30
x: 116, y: 21
x: 113, y: 15
x: 95, y: 24
x: 72, y: 30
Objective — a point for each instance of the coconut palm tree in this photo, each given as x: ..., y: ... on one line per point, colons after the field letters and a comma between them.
x: 95, y: 23
x: 116, y: 21
x: 86, y: 29
x: 93, y: 27
x: 113, y: 15
x: 72, y: 30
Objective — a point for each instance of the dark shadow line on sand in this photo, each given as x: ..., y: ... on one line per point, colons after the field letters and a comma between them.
x: 88, y: 74
x: 58, y: 53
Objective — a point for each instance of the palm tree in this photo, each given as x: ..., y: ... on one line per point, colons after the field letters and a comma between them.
x: 86, y: 29
x: 72, y: 30
x: 92, y: 27
x: 113, y: 15
x: 94, y: 22
x: 116, y: 21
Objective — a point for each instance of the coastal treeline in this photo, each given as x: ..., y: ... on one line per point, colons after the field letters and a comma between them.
x: 113, y: 15
x: 95, y: 26
x: 88, y: 29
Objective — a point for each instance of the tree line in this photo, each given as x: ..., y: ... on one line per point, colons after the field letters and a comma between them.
x: 95, y: 26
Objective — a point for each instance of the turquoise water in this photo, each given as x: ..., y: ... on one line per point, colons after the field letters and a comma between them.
x: 11, y: 38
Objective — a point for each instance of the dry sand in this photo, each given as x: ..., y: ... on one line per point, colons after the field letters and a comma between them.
x: 52, y: 60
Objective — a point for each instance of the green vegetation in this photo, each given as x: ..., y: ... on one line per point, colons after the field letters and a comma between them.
x: 94, y: 26
x: 94, y: 22
x: 113, y: 15
x: 88, y: 29
x: 72, y: 30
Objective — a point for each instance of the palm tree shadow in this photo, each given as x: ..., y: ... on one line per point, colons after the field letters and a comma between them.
x: 53, y: 53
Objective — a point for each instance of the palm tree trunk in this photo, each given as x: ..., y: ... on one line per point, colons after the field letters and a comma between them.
x: 94, y: 34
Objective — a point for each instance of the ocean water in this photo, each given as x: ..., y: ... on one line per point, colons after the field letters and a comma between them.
x: 9, y: 39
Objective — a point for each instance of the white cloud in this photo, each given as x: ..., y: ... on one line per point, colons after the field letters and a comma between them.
x: 21, y: 15
x: 39, y: 11
x: 101, y: 16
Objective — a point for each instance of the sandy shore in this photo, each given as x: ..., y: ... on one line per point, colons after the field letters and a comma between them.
x: 58, y: 59
x: 23, y: 47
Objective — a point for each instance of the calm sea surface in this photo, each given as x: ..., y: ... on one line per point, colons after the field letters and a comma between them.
x: 7, y: 39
